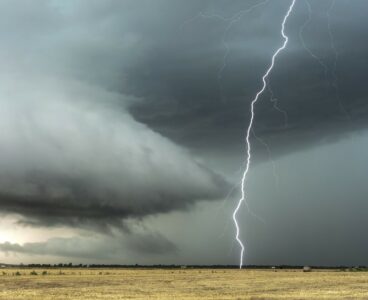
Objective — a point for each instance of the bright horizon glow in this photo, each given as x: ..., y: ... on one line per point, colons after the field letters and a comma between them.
x: 8, y: 231
x: 16, y: 233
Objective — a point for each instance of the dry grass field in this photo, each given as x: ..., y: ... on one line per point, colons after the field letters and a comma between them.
x: 181, y: 284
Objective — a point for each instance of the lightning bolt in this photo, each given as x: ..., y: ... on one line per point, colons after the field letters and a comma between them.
x: 335, y: 83
x: 332, y: 40
x: 269, y: 152
x: 326, y: 69
x: 249, y: 130
x: 301, y: 33
x: 230, y: 22
x: 276, y: 106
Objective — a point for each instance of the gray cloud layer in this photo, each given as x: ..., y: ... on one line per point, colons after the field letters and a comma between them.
x: 179, y: 76
x: 98, y: 98
x: 96, y: 247
x: 168, y: 60
x: 70, y: 151
x: 67, y: 161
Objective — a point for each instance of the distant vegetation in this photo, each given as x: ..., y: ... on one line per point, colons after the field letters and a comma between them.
x: 159, y: 266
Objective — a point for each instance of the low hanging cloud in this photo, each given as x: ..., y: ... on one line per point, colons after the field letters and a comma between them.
x: 95, y: 247
x: 66, y: 160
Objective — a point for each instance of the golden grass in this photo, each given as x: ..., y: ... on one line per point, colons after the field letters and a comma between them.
x: 181, y: 284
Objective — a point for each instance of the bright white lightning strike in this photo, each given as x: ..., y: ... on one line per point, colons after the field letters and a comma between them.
x: 249, y: 130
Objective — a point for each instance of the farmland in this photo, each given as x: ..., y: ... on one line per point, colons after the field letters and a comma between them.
x: 181, y: 284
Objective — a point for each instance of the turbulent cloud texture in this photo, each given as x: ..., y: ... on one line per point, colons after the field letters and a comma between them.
x: 66, y: 160
x: 115, y: 112
x: 70, y: 152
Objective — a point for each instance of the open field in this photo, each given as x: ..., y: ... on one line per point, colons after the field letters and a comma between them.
x: 181, y: 284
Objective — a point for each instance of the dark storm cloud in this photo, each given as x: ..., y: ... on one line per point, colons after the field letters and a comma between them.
x: 99, y: 100
x: 86, y: 204
x: 69, y: 163
x: 178, y: 77
x: 168, y: 59
x: 70, y: 152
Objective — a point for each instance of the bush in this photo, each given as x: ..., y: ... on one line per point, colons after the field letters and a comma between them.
x: 17, y: 273
x: 44, y: 273
x: 34, y: 273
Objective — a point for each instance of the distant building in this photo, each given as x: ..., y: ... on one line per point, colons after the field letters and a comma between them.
x: 307, y: 269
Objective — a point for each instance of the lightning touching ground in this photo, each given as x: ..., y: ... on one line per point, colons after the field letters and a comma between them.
x: 242, y: 200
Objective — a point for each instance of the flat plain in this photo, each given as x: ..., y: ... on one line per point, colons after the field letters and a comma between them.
x: 187, y: 284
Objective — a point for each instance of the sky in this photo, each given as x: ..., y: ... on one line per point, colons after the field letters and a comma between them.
x: 122, y: 132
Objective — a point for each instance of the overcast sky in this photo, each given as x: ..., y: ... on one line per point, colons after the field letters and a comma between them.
x: 122, y: 128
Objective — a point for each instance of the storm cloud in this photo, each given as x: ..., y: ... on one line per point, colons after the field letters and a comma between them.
x: 95, y: 247
x: 116, y: 112
x: 192, y: 102
x: 65, y: 161
x: 70, y: 151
